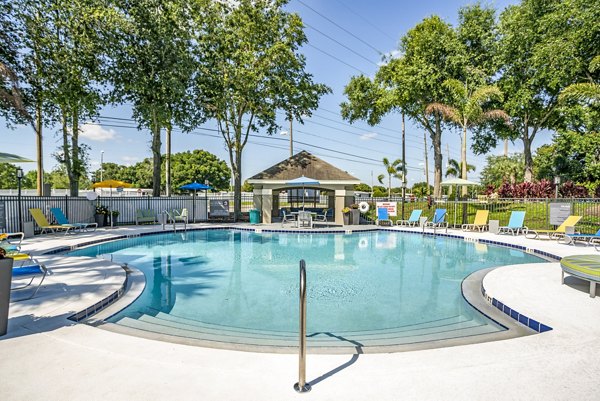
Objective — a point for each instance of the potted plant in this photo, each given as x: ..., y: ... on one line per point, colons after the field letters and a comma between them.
x: 100, y: 215
x: 346, y: 213
x: 355, y: 214
x: 114, y: 214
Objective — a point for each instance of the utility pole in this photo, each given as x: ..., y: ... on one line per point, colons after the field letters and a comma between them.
x: 426, y: 165
x: 291, y: 138
x: 168, y: 160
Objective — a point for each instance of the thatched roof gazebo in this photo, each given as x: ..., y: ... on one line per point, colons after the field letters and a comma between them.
x: 268, y: 184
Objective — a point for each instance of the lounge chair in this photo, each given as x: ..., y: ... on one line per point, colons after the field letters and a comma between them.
x: 439, y: 220
x: 515, y: 223
x: 571, y: 221
x: 287, y: 217
x: 383, y: 216
x: 587, y: 238
x: 11, y: 242
x: 63, y: 221
x: 322, y: 217
x: 42, y: 222
x: 413, y: 219
x: 480, y: 223
x: 30, y: 272
x: 145, y: 216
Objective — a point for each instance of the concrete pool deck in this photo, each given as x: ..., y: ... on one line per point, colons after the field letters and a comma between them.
x: 44, y: 356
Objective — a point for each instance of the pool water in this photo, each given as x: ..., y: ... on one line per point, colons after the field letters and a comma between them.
x: 372, y: 288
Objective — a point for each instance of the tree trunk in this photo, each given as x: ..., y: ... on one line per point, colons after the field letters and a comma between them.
x: 528, y: 177
x: 168, y: 161
x: 237, y: 184
x: 75, y: 159
x: 436, y: 140
x: 66, y: 147
x: 426, y: 162
x: 39, y: 148
x: 463, y: 156
x: 155, y: 155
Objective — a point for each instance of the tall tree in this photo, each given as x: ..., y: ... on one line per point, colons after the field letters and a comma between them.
x: 153, y: 66
x: 499, y: 169
x: 545, y: 46
x: 393, y: 170
x: 454, y: 168
x: 468, y: 109
x: 249, y: 67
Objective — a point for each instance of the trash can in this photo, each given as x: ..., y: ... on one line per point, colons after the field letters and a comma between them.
x: 6, y: 265
x: 254, y: 216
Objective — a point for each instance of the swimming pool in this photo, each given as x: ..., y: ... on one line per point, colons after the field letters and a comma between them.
x: 369, y: 289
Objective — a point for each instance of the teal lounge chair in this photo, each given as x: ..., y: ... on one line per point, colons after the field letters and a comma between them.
x: 61, y: 219
x: 413, y: 220
x: 515, y: 224
x: 571, y: 238
x: 383, y: 216
x: 439, y: 220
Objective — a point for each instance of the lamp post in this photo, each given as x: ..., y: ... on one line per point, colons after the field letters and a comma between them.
x: 19, y: 178
x: 101, y: 164
x: 556, y: 184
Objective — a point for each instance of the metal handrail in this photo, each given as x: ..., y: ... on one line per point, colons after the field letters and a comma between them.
x: 302, y: 386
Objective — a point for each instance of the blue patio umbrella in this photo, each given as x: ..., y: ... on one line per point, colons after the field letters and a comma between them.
x: 303, y: 181
x: 196, y: 186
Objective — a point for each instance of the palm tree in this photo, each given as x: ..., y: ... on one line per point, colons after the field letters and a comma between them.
x: 469, y: 111
x: 587, y: 91
x: 454, y: 168
x: 393, y: 170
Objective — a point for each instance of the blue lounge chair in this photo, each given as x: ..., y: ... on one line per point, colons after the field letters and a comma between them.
x: 63, y: 221
x: 29, y: 272
x: 383, y: 216
x: 571, y: 238
x: 11, y: 242
x: 439, y: 220
x: 515, y: 223
x: 413, y: 220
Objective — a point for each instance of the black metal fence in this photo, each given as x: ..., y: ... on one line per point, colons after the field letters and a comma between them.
x: 201, y: 209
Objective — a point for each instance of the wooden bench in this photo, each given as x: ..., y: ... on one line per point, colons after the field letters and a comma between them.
x: 586, y: 267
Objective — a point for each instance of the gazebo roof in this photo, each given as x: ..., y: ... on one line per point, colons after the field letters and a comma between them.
x: 303, y: 164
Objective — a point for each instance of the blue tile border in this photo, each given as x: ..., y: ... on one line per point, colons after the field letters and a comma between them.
x: 519, y: 317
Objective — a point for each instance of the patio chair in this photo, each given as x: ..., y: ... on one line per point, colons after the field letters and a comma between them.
x: 480, y: 223
x: 42, y: 222
x: 413, y: 219
x: 587, y: 238
x: 61, y: 219
x: 515, y: 223
x: 439, y: 220
x: 287, y: 217
x: 322, y: 217
x: 383, y: 216
x: 571, y: 221
x: 304, y: 217
x: 144, y: 216
x: 29, y: 272
x: 180, y: 216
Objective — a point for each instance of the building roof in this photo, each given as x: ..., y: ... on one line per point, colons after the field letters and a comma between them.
x: 303, y: 164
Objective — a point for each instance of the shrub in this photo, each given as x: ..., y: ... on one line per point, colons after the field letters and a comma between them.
x: 570, y: 190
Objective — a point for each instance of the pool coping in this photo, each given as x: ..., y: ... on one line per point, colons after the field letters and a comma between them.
x: 472, y: 289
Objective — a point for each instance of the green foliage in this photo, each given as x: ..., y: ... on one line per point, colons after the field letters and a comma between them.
x: 393, y: 170
x: 247, y: 187
x: 8, y: 177
x: 499, y: 169
x: 362, y: 187
x: 251, y: 67
x: 454, y: 168
x: 420, y: 190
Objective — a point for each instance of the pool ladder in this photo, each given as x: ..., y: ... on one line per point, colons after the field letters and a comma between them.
x: 302, y: 386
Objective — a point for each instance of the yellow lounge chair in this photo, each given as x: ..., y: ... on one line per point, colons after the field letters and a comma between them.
x: 571, y: 221
x: 42, y: 222
x: 480, y: 223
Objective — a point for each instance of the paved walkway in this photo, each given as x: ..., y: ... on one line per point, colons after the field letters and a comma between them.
x: 47, y: 357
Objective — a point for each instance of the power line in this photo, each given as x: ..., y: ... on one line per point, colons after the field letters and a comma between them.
x: 341, y: 44
x: 335, y: 58
x: 340, y: 27
x: 364, y: 19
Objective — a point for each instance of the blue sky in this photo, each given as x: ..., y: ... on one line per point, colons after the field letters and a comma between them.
x: 363, y: 29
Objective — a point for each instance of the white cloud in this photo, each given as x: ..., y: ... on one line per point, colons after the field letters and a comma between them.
x: 370, y: 135
x: 96, y: 133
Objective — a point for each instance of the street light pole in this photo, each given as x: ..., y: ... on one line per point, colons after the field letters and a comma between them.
x: 101, y: 164
x: 19, y: 178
